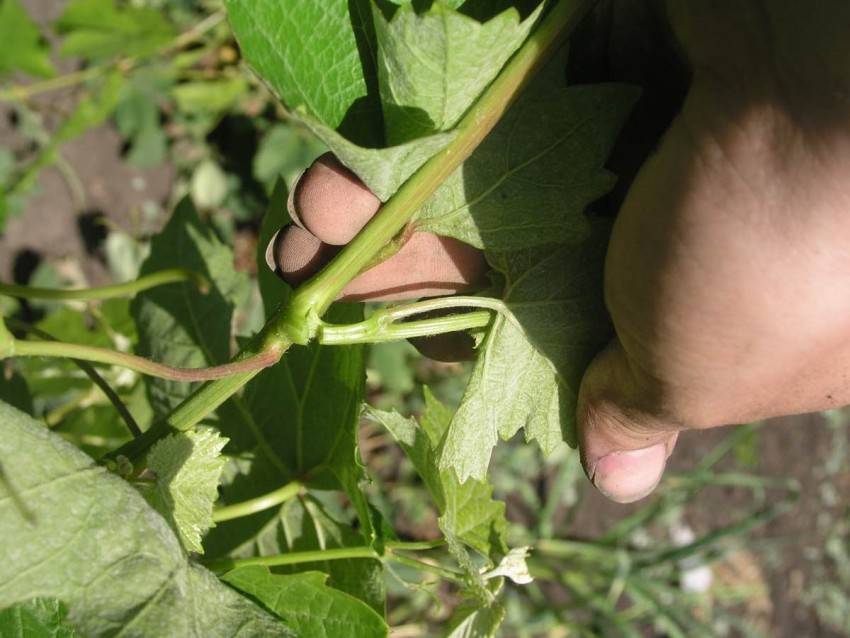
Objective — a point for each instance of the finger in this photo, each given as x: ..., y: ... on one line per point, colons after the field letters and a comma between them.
x: 624, y: 445
x: 296, y: 254
x: 426, y: 266
x: 331, y: 202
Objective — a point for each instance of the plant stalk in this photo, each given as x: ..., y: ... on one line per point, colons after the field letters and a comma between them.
x: 23, y: 348
x: 128, y: 289
x: 300, y: 320
x: 313, y: 298
x: 374, y: 330
x: 259, y: 504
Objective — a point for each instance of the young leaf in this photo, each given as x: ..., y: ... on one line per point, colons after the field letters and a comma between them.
x: 23, y: 48
x: 179, y: 324
x: 307, y: 604
x: 468, y: 512
x: 559, y: 322
x: 36, y: 618
x: 98, y: 29
x: 84, y: 536
x: 433, y: 66
x: 188, y: 467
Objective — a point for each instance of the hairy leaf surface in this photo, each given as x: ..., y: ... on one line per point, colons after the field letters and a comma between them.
x: 433, y: 66
x: 530, y: 180
x: 74, y: 532
x: 468, y: 512
x: 529, y: 367
x: 188, y: 467
x: 307, y: 604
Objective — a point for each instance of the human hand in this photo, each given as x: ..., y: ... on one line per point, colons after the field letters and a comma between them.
x: 728, y: 270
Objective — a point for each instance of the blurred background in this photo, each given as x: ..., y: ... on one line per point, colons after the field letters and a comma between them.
x: 109, y: 117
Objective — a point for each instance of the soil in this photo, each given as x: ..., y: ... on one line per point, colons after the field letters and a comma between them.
x: 57, y: 225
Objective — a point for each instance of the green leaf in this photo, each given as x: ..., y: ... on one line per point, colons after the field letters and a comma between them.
x: 14, y: 389
x: 307, y: 604
x: 283, y: 152
x: 481, y: 622
x: 326, y: 77
x: 179, y: 324
x: 302, y: 525
x: 306, y: 51
x: 23, y: 47
x: 36, y: 618
x: 531, y: 179
x: 383, y: 170
x: 468, y: 512
x: 559, y: 322
x: 187, y: 467
x: 81, y: 535
x: 97, y: 29
x: 212, y: 96
x: 300, y: 433
x: 433, y: 66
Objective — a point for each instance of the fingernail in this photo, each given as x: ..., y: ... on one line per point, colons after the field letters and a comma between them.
x: 629, y: 476
x: 290, y: 200
x: 271, y: 262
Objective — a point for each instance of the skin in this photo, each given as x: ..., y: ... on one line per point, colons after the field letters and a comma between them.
x: 728, y: 270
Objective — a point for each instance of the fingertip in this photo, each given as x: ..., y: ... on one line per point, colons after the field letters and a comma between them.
x: 331, y: 202
x: 297, y: 254
x: 624, y: 448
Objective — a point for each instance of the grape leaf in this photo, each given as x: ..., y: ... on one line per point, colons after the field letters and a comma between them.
x: 74, y: 532
x: 468, y: 512
x: 179, y: 324
x: 303, y: 524
x: 326, y: 79
x: 188, y: 467
x: 530, y: 180
x: 529, y: 367
x: 305, y: 50
x: 432, y: 66
x: 36, y: 618
x: 23, y: 48
x: 98, y: 29
x: 306, y: 436
x: 307, y: 604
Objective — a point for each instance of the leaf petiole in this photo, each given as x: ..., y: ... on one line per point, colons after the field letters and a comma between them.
x: 258, y: 504
x: 128, y: 289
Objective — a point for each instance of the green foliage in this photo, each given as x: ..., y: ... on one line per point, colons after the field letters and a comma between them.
x: 96, y: 29
x: 36, y: 618
x: 469, y: 514
x: 187, y: 468
x: 23, y: 47
x: 179, y: 324
x: 88, y: 531
x: 307, y: 604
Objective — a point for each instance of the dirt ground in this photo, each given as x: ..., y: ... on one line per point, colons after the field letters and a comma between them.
x: 791, y: 558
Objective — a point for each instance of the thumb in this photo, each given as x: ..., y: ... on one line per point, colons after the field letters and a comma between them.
x: 624, y: 445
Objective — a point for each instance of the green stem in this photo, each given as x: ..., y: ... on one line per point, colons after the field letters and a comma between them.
x: 336, y: 553
x: 90, y: 372
x: 128, y: 289
x: 259, y: 504
x: 378, y: 330
x: 299, y: 321
x: 21, y: 348
x: 20, y: 93
x: 422, y: 566
x: 312, y: 299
